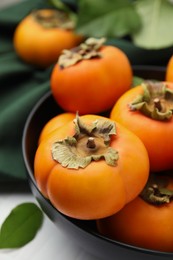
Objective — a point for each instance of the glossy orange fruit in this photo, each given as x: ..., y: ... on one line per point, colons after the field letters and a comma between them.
x: 39, y: 38
x: 90, y: 82
x: 86, y: 188
x: 144, y: 224
x: 156, y: 134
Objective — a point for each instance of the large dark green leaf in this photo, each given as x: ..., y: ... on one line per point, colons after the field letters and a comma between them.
x: 157, y: 22
x: 21, y: 226
x: 107, y: 18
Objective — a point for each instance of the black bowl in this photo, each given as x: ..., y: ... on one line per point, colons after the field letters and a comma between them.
x: 83, y: 232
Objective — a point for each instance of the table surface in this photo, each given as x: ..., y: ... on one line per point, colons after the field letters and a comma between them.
x: 49, y: 243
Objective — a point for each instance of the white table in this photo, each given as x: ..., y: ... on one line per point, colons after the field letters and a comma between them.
x: 49, y: 244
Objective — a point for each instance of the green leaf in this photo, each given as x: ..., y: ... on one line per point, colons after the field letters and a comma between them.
x: 59, y: 5
x: 136, y: 81
x: 107, y: 18
x: 157, y: 21
x: 21, y: 226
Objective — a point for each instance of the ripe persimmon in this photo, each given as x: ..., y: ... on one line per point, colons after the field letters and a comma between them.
x: 91, y: 77
x: 146, y: 221
x: 147, y: 110
x: 41, y: 36
x: 91, y: 167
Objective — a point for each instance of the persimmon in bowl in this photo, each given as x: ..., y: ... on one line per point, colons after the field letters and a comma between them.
x: 84, y: 232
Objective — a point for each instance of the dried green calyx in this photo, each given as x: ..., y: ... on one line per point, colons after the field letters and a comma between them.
x: 85, y: 51
x: 156, y: 191
x: 156, y: 101
x: 90, y: 142
x: 50, y: 18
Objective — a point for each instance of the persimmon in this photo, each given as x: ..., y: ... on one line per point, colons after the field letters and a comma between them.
x: 169, y: 70
x: 54, y: 123
x: 147, y: 110
x: 90, y: 77
x: 146, y: 221
x: 91, y: 167
x: 41, y: 36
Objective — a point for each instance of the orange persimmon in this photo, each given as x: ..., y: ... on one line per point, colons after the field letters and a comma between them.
x: 147, y: 110
x: 90, y: 77
x: 41, y: 36
x: 145, y: 222
x: 91, y: 167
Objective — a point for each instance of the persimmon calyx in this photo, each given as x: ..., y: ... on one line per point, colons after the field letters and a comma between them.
x: 85, y: 51
x: 156, y: 191
x: 89, y: 143
x: 156, y: 101
x: 50, y: 18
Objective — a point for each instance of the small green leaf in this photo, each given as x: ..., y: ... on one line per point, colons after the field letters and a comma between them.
x: 21, y: 225
x: 59, y: 5
x: 107, y: 18
x: 136, y: 81
x: 62, y: 3
x: 157, y: 18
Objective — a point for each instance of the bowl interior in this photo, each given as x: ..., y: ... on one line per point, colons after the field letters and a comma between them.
x: 84, y: 232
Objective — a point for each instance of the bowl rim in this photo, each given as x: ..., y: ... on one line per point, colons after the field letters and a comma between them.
x: 89, y: 230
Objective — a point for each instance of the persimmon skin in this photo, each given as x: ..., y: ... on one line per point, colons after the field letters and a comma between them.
x: 156, y: 135
x: 169, y: 70
x: 141, y: 224
x: 55, y: 123
x: 99, y: 190
x: 92, y: 86
x: 42, y: 46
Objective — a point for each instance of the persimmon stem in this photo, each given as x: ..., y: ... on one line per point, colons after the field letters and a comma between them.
x: 91, y: 143
x: 53, y: 19
x: 157, y: 104
x: 86, y: 145
x: 46, y: 16
x: 85, y: 51
x: 157, y: 194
